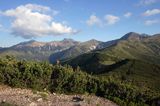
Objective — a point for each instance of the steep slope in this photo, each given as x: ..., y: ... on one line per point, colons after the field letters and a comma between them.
x: 130, y: 46
x: 76, y: 50
x: 145, y: 49
x: 33, y: 50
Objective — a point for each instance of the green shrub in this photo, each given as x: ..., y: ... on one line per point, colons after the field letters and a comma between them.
x: 65, y: 79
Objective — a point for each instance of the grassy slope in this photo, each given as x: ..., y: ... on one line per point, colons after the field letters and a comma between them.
x: 132, y: 62
x: 134, y: 50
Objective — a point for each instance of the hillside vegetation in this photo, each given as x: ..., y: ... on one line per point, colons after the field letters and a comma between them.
x: 65, y: 79
x: 133, y: 60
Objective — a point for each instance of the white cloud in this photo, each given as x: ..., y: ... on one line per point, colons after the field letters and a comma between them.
x: 128, y: 14
x: 147, y: 2
x: 37, y: 7
x: 111, y: 19
x: 93, y: 20
x: 151, y: 12
x: 151, y: 22
x: 32, y: 20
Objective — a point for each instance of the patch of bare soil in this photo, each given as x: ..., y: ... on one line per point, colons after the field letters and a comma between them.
x: 26, y: 97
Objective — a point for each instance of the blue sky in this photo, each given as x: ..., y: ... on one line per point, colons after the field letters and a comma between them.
x: 82, y: 20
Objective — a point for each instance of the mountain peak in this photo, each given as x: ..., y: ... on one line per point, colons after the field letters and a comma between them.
x: 31, y: 43
x: 133, y: 36
x: 129, y: 35
x: 132, y: 33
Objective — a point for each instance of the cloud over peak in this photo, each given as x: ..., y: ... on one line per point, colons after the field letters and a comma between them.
x: 32, y: 20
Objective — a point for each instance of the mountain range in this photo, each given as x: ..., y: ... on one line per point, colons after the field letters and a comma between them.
x: 132, y: 60
x: 49, y: 51
x: 34, y: 50
x: 131, y: 45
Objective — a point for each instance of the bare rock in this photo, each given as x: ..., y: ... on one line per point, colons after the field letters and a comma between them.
x: 33, y: 104
x: 39, y: 100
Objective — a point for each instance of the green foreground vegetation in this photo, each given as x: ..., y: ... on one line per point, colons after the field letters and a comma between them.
x: 65, y: 79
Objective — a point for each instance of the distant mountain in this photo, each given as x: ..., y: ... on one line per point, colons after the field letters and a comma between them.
x: 134, y: 36
x: 52, y: 51
x: 129, y: 36
x: 75, y: 50
x: 48, y: 46
x: 85, y: 47
x: 130, y: 45
x: 34, y: 50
